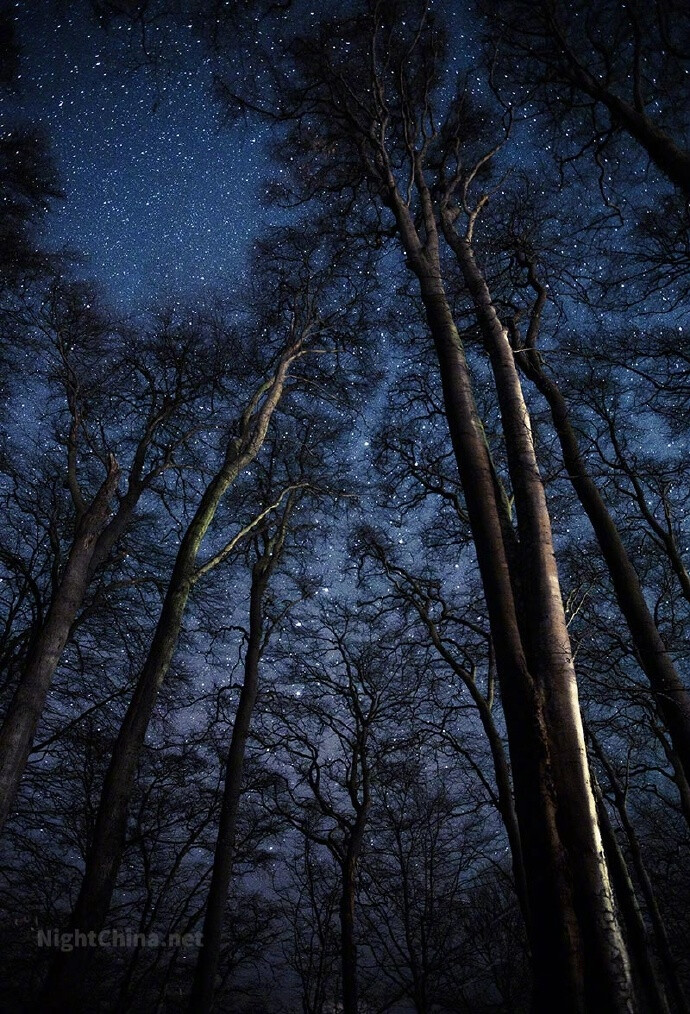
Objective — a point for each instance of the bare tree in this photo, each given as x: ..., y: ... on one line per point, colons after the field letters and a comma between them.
x: 266, y: 557
x: 323, y: 726
x: 600, y: 71
x: 150, y: 419
x: 361, y: 96
x: 297, y: 326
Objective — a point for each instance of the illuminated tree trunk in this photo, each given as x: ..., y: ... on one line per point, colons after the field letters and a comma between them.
x: 553, y: 926
x: 670, y: 695
x: 550, y: 659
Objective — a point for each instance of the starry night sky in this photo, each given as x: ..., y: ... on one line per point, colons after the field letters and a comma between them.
x: 160, y: 196
x: 162, y: 203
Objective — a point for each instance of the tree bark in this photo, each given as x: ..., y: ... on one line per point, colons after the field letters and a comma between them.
x: 550, y: 658
x: 201, y: 999
x: 24, y: 713
x: 554, y: 933
x: 670, y: 695
x: 61, y: 988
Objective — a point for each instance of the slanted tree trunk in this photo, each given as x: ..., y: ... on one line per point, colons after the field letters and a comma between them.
x: 201, y: 998
x: 670, y: 158
x: 26, y: 708
x: 555, y: 937
x: 61, y: 988
x: 670, y: 695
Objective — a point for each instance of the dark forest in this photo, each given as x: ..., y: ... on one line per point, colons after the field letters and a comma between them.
x: 344, y: 596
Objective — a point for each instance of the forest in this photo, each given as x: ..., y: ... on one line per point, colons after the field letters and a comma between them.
x: 344, y: 595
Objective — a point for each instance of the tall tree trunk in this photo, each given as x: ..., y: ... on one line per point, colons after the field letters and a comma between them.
x: 636, y: 930
x: 26, y: 708
x: 554, y: 932
x: 201, y: 999
x: 670, y: 695
x: 550, y: 659
x: 61, y: 988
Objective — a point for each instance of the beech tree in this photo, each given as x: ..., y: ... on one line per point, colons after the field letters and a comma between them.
x: 345, y: 616
x: 289, y: 329
x: 268, y: 549
x: 106, y: 849
x: 525, y: 307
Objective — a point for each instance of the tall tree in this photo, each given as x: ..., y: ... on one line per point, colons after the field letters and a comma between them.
x: 294, y: 319
x: 266, y: 556
x: 323, y: 734
x: 105, y: 854
x: 361, y: 94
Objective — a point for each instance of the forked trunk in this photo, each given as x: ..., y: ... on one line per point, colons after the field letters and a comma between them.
x: 61, y: 990
x: 555, y: 940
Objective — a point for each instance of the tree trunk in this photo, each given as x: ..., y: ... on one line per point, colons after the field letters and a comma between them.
x: 26, y: 708
x: 201, y: 999
x: 670, y: 695
x: 348, y: 947
x: 550, y: 658
x: 555, y: 940
x: 634, y: 923
x: 61, y: 988
x: 673, y: 161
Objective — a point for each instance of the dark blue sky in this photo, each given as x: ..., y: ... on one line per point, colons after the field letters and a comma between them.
x: 159, y: 198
